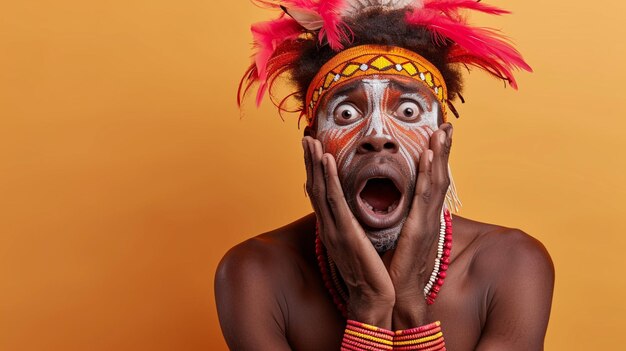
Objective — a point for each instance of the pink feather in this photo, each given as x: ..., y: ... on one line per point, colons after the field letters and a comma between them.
x: 451, y: 7
x: 303, y: 4
x: 484, y: 43
x: 267, y: 37
x: 334, y: 29
x: 490, y: 66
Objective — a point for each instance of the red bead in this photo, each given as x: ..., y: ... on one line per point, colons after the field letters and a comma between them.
x: 436, y: 288
x: 445, y: 260
x: 444, y: 267
x: 448, y: 237
x: 442, y: 274
x: 448, y: 230
x: 446, y: 252
x: 448, y: 245
x: 440, y: 281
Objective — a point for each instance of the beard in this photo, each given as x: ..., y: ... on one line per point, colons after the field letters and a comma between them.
x: 385, y: 239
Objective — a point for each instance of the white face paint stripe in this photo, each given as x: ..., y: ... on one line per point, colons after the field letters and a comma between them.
x: 375, y: 89
x: 411, y: 137
x: 423, y: 133
x: 379, y: 122
x: 332, y: 105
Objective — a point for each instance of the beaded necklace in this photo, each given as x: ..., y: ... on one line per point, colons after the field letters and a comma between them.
x: 338, y: 291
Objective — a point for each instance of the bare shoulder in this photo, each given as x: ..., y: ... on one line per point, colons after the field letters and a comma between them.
x: 502, y: 251
x: 516, y: 274
x: 250, y: 287
x: 506, y: 259
x: 268, y: 256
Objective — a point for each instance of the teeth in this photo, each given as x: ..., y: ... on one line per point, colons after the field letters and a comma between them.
x: 388, y: 210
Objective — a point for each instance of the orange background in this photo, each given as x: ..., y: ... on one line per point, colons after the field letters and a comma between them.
x: 126, y: 171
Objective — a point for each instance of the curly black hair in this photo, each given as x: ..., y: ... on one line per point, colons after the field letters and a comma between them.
x: 378, y: 27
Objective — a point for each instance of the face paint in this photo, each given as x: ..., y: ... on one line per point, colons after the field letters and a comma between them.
x: 393, y: 114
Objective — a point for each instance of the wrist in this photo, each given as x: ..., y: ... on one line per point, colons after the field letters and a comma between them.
x: 372, y: 313
x: 410, y: 313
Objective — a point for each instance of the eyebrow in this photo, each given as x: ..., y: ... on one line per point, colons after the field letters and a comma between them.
x: 411, y: 87
x: 343, y: 90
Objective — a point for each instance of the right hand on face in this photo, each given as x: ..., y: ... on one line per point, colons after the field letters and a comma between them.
x: 371, y: 290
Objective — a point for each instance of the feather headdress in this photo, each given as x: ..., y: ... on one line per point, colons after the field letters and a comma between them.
x: 278, y: 42
x: 321, y: 18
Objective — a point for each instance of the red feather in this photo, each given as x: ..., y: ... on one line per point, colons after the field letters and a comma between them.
x: 490, y: 48
x: 285, y: 58
x: 333, y: 29
x: 451, y: 7
x: 267, y: 37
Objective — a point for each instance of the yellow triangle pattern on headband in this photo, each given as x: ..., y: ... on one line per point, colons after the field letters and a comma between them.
x: 367, y: 60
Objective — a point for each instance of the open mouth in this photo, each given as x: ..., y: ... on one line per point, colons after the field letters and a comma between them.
x: 380, y: 195
x: 379, y: 202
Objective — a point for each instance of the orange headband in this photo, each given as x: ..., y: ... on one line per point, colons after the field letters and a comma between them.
x: 368, y: 60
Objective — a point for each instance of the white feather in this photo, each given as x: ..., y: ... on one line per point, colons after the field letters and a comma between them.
x: 308, y: 19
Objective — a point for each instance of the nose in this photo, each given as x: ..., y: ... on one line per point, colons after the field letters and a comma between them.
x: 378, y: 143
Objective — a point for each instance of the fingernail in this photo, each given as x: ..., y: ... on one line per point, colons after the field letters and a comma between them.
x: 442, y: 137
x: 324, y: 161
x: 430, y: 156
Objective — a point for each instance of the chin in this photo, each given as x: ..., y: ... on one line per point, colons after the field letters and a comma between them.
x: 384, y: 239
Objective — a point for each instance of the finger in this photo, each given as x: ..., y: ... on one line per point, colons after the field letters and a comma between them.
x: 441, y: 143
x: 319, y: 183
x: 413, y: 245
x: 307, y: 164
x: 421, y: 198
x: 423, y: 185
x: 350, y: 236
x: 334, y: 193
x: 317, y: 190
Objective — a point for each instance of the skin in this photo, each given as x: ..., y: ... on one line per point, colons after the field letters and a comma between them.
x: 269, y: 291
x: 372, y: 113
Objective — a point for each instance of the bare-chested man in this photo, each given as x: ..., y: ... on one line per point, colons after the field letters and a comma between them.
x: 378, y: 248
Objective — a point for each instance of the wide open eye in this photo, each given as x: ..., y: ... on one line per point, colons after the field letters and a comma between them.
x: 408, y: 111
x: 346, y: 113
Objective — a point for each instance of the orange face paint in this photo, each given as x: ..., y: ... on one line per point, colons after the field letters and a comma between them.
x: 378, y: 106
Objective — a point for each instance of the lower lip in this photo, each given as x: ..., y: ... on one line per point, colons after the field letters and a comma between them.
x: 378, y: 220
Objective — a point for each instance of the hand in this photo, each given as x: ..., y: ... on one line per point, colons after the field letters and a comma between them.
x: 369, y: 285
x: 412, y: 262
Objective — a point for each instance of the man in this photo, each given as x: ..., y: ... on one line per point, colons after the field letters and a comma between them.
x: 374, y: 267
